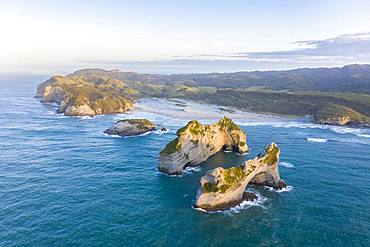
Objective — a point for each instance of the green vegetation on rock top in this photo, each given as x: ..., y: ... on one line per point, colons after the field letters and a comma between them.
x: 271, y: 154
x: 193, y: 126
x: 226, y: 122
x: 172, y: 147
x: 338, y: 111
x: 140, y: 123
x: 229, y: 177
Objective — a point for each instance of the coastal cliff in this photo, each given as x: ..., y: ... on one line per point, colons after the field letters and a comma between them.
x: 341, y: 115
x: 195, y: 143
x: 221, y: 188
x: 82, y: 96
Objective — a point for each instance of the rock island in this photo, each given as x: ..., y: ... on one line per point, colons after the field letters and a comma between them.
x: 195, y: 143
x: 221, y: 188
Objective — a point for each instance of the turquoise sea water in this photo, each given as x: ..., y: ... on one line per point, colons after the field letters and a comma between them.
x: 64, y: 183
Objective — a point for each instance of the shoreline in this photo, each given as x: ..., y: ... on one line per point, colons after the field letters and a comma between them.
x: 187, y: 109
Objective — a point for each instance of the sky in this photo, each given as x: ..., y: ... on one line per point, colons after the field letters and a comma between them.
x: 190, y: 36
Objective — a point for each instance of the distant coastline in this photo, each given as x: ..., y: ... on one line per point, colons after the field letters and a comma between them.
x: 91, y: 92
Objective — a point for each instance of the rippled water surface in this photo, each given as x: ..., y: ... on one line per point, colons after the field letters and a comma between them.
x: 64, y: 183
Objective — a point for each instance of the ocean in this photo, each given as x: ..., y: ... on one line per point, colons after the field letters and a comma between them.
x: 64, y: 183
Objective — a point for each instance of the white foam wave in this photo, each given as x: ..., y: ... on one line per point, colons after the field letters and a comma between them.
x: 286, y: 164
x: 85, y: 117
x: 191, y: 169
x: 319, y: 140
x: 169, y: 175
x: 286, y: 189
x: 305, y: 125
x: 57, y: 115
x: 118, y: 136
x: 363, y: 135
x: 107, y: 135
x: 187, y: 171
x: 247, y: 204
x: 160, y: 132
x: 243, y: 205
x: 143, y: 134
x: 241, y: 154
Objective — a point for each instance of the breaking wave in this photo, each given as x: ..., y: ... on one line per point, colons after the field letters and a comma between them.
x: 303, y: 125
x: 286, y: 189
x: 319, y: 140
x: 191, y: 169
x: 160, y: 132
x: 114, y: 136
x: 241, y: 206
x: 286, y: 164
x: 364, y: 135
x: 247, y: 204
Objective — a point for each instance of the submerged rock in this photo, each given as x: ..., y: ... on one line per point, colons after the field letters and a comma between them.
x: 249, y: 196
x: 195, y: 143
x: 130, y: 127
x: 222, y: 188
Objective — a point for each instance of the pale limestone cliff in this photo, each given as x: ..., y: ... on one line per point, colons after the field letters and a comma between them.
x: 130, y: 127
x: 80, y: 96
x: 195, y: 143
x: 221, y: 188
x: 341, y: 115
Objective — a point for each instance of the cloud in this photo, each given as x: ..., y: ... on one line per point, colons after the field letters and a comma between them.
x: 333, y: 52
x: 344, y: 47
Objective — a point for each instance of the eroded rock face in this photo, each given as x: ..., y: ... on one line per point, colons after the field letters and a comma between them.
x: 195, y: 143
x: 80, y: 96
x: 341, y: 115
x: 130, y: 127
x: 221, y: 188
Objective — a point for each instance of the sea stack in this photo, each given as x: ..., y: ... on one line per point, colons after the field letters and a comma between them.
x: 222, y: 188
x: 195, y: 143
x: 130, y: 127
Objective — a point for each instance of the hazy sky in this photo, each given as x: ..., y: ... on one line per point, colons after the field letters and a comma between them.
x: 182, y: 36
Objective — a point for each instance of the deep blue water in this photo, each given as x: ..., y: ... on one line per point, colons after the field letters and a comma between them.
x: 64, y: 183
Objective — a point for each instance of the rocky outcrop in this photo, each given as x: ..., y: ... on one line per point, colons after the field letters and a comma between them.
x: 221, y: 188
x: 341, y: 115
x: 130, y: 127
x: 81, y: 96
x: 195, y: 143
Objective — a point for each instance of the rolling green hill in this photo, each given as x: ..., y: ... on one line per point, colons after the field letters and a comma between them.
x: 331, y: 95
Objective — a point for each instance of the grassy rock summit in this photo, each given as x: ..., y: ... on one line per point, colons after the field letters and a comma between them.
x: 221, y: 188
x: 341, y: 115
x: 130, y: 127
x: 85, y: 96
x: 195, y: 143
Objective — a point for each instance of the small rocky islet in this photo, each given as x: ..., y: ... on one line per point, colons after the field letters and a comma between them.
x: 222, y: 188
x: 130, y: 127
